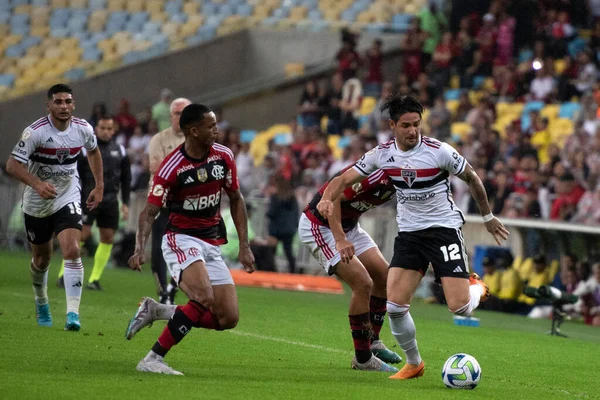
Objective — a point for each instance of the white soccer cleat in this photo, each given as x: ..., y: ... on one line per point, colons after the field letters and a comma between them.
x: 374, y: 364
x: 156, y: 366
x: 144, y: 316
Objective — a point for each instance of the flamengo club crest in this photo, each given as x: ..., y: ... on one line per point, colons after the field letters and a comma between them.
x: 202, y: 175
x: 62, y: 154
x: 409, y: 176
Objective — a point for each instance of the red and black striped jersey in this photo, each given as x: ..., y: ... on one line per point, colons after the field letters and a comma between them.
x: 191, y: 190
x: 373, y: 191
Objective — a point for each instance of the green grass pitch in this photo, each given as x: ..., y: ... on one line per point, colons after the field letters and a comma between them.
x: 288, y: 345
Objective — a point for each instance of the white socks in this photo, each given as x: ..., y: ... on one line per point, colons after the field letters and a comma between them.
x: 40, y: 284
x: 403, y: 329
x: 73, y: 284
x: 475, y: 292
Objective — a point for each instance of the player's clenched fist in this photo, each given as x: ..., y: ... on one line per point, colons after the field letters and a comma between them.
x: 247, y: 259
x: 325, y: 208
x: 46, y: 190
x: 136, y: 261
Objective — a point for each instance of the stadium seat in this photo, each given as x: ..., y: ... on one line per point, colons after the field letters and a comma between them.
x: 368, y: 105
x: 550, y: 111
x: 247, y: 136
x: 533, y: 106
x: 460, y: 129
x: 452, y: 94
x: 569, y: 110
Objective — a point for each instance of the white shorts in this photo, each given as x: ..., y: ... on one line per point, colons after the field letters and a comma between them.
x: 319, y: 239
x: 180, y: 251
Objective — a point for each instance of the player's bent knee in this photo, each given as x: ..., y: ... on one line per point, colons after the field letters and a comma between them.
x: 454, y: 305
x: 71, y: 252
x: 464, y: 311
x: 41, y: 263
x: 228, y: 321
x: 397, y: 310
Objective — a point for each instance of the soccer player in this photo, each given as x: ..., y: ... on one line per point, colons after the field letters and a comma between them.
x: 45, y: 160
x: 334, y: 242
x: 429, y: 223
x: 117, y: 177
x: 189, y: 182
x: 163, y: 143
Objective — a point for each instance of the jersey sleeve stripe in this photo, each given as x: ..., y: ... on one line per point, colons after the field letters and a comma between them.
x: 40, y: 122
x: 360, y: 171
x: 224, y: 150
x: 375, y: 176
x: 170, y: 166
x: 20, y: 158
x: 38, y: 126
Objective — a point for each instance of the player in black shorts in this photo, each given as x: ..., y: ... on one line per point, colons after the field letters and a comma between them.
x: 117, y: 177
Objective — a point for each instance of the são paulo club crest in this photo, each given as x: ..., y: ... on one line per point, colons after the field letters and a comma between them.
x: 62, y: 154
x: 409, y: 176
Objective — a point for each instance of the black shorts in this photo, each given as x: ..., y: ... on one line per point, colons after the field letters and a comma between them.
x: 106, y: 215
x: 41, y: 230
x: 444, y: 248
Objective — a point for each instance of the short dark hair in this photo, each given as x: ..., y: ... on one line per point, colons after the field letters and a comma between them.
x: 400, y: 105
x: 59, y: 88
x: 193, y: 114
x: 105, y: 117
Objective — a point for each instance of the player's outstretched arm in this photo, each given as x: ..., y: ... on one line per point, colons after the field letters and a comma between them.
x: 240, y: 219
x: 147, y: 217
x: 95, y: 159
x: 492, y: 224
x: 342, y: 244
x: 335, y: 189
x: 19, y: 171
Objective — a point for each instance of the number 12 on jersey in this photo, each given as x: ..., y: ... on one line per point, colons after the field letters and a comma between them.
x: 451, y: 252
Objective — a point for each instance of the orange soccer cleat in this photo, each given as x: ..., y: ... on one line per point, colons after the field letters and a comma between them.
x: 474, y: 279
x: 410, y: 371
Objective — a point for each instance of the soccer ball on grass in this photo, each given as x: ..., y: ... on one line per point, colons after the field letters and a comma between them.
x: 461, y: 371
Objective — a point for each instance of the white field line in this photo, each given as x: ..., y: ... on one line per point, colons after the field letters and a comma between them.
x: 290, y: 342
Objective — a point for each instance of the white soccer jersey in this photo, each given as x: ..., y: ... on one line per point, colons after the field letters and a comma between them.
x: 51, y: 155
x: 421, y: 177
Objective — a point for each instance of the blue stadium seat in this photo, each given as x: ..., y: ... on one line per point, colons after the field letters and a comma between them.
x: 39, y: 3
x: 172, y: 7
x: 348, y: 15
x: 4, y: 16
x: 209, y: 9
x: 281, y: 13
x: 30, y: 41
x: 247, y: 136
x: 133, y: 57
x: 194, y: 40
x: 568, y: 110
x: 270, y: 21
x: 75, y: 74
x: 22, y: 30
x: 214, y: 20
x: 91, y: 55
x: 311, y: 4
x: 344, y: 142
x: 576, y: 46
x: 60, y: 32
x: 525, y: 122
x: 376, y: 27
x: 478, y: 81
x: 207, y: 32
x: 319, y: 26
x: 151, y: 27
x: 16, y: 3
x: 525, y: 55
x: 533, y: 105
x: 315, y: 15
x: 97, y: 4
x: 16, y: 50
x: 245, y: 10
x: 451, y: 94
x: 7, y: 79
x: 236, y: 3
x: 81, y: 36
x: 134, y: 27
x: 401, y: 22
x: 180, y: 18
x: 141, y: 16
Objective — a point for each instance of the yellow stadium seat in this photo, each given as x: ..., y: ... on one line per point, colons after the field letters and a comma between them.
x: 59, y: 3
x: 158, y: 17
x: 100, y: 14
x: 78, y: 3
x: 366, y: 17
x: 135, y: 6
x: 298, y: 13
x: 170, y: 28
x: 3, y: 30
x: 368, y: 105
x: 27, y: 62
x: 154, y: 6
x: 262, y: 11
x: 96, y: 26
x: 36, y: 51
x: 550, y: 111
x: 190, y: 8
x: 294, y: 69
x: 452, y: 106
x: 461, y: 129
x: 22, y: 9
x: 560, y: 130
x: 115, y: 5
x: 559, y: 66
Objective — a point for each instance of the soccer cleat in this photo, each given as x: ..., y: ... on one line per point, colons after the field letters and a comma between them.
x: 72, y: 323
x: 474, y: 279
x: 410, y: 371
x: 374, y: 364
x: 380, y: 351
x: 144, y: 316
x: 157, y: 366
x: 42, y: 314
x: 94, y: 285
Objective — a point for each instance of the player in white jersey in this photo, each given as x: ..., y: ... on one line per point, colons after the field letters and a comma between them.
x: 45, y: 160
x: 429, y: 223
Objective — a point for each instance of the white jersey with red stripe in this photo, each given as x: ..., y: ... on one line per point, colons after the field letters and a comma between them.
x: 51, y: 155
x: 421, y: 178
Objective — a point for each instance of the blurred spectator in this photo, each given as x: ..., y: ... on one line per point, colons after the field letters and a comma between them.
x: 505, y: 39
x: 308, y: 107
x: 377, y: 115
x: 350, y: 104
x: 442, y: 58
x: 487, y: 43
x: 374, y: 75
x: 138, y: 145
x: 333, y: 100
x: 245, y: 169
x: 283, y: 215
x: 439, y: 120
x: 464, y: 106
x: 125, y: 119
x: 569, y: 193
x: 432, y: 24
x: 161, y: 111
x: 98, y: 111
x: 588, y: 208
x: 411, y: 47
x: 543, y: 86
x: 348, y: 59
x: 589, y: 294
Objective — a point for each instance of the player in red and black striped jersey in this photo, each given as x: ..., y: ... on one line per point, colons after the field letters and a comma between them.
x: 334, y: 242
x: 189, y: 183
